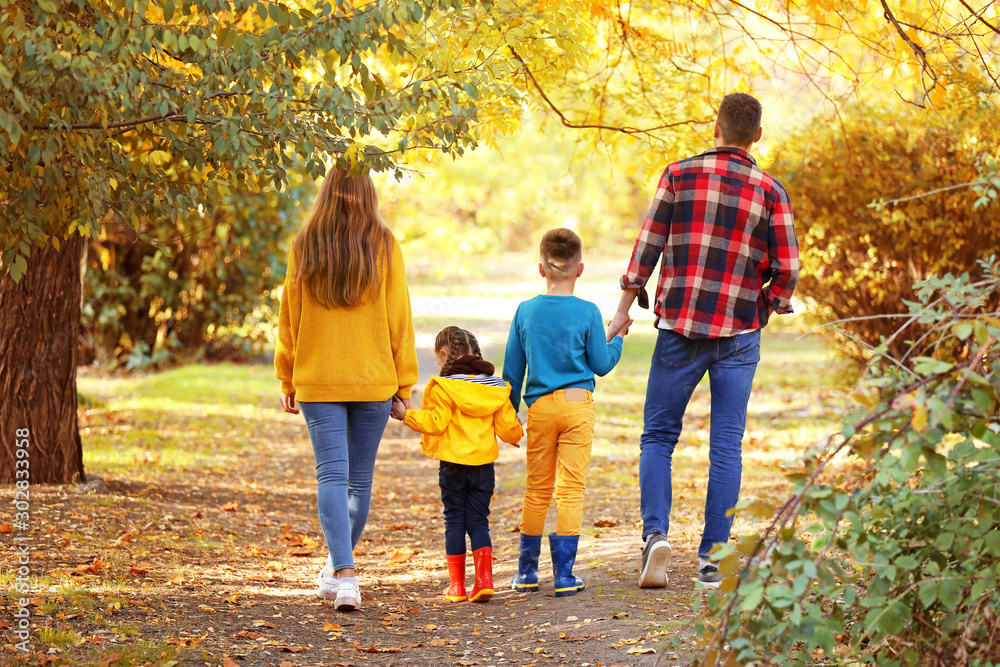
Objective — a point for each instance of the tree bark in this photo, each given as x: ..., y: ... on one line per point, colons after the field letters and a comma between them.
x: 39, y: 346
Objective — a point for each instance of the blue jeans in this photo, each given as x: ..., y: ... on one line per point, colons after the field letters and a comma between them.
x: 678, y: 365
x: 345, y: 439
x: 466, y: 492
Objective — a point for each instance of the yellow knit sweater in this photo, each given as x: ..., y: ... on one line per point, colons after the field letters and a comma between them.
x: 359, y: 353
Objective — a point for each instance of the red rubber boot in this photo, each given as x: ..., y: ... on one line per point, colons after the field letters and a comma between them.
x: 456, y: 572
x: 482, y: 590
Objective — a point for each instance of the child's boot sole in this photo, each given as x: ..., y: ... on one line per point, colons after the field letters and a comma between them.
x: 573, y: 590
x: 484, y: 595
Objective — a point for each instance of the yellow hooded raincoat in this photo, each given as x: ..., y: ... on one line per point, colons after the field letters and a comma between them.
x: 461, y: 420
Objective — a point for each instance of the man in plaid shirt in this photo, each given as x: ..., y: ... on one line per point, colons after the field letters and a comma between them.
x: 730, y: 258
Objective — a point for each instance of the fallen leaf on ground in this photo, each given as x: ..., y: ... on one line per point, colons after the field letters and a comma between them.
x: 179, y: 579
x: 292, y: 649
x: 404, y: 555
x: 373, y: 649
x: 606, y: 522
x: 231, y: 506
x: 249, y: 635
x: 621, y: 614
x: 260, y: 577
x: 330, y: 627
x: 639, y: 650
x: 89, y: 568
x: 104, y: 662
x: 140, y: 569
x: 438, y: 642
x: 293, y: 540
x: 300, y: 552
x: 6, y: 528
x: 228, y: 662
x: 264, y: 624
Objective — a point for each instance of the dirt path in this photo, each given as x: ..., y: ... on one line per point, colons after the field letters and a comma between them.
x: 223, y: 565
x: 215, y: 564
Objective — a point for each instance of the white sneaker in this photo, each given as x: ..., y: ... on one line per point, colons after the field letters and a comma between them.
x: 348, y: 596
x: 328, y: 584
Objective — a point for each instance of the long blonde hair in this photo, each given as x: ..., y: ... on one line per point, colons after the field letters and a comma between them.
x: 339, y: 249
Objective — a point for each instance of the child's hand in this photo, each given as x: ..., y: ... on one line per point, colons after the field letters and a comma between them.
x: 398, y: 408
x: 622, y: 330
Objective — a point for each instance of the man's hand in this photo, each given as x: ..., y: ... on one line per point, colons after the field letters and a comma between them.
x: 399, y: 407
x: 288, y: 403
x: 619, y: 325
x: 622, y: 331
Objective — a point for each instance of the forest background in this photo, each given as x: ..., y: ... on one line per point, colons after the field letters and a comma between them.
x: 167, y: 152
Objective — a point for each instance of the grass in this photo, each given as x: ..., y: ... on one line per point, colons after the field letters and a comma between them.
x: 181, y: 419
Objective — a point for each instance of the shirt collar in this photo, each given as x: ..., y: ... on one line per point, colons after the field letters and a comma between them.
x: 732, y: 149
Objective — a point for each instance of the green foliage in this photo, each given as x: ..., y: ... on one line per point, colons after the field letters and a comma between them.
x: 861, y: 260
x: 207, y: 289
x: 130, y: 111
x: 895, y: 558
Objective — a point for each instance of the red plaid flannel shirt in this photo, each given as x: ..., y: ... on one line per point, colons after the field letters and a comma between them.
x: 730, y: 256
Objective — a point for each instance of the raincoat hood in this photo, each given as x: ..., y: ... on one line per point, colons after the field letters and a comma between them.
x: 462, y: 417
x: 473, y: 398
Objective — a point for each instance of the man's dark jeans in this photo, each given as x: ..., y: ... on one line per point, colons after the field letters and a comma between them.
x: 679, y: 363
x: 466, y: 492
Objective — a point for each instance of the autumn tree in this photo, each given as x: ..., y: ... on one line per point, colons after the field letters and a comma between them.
x: 137, y: 112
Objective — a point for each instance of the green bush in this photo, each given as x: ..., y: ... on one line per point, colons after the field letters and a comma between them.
x: 860, y: 260
x: 201, y: 286
x: 898, y: 562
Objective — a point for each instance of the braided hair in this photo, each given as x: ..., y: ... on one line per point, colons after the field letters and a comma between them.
x: 458, y: 342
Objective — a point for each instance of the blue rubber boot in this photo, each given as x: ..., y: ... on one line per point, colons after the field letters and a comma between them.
x: 563, y: 548
x: 526, y: 578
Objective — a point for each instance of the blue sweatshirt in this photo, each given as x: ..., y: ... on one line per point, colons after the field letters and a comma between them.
x: 560, y: 340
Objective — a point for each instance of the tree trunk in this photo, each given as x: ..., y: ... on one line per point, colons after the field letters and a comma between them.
x: 39, y: 343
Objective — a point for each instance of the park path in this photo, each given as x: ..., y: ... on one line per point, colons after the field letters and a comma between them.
x: 168, y: 562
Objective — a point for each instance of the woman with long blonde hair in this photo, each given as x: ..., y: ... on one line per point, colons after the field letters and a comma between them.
x: 345, y: 348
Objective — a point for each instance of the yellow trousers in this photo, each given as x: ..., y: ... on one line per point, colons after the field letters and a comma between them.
x: 560, y: 436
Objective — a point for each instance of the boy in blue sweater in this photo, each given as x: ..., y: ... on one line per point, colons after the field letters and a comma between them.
x: 559, y: 339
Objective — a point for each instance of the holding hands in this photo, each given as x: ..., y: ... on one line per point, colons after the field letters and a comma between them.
x: 399, y: 408
x: 619, y: 325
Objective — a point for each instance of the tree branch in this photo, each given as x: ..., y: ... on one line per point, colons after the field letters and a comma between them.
x: 596, y: 126
x: 980, y: 18
x: 918, y: 50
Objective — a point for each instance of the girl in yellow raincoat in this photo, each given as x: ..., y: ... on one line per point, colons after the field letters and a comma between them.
x: 464, y: 410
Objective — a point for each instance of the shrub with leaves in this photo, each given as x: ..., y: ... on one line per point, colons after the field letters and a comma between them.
x: 205, y: 290
x: 934, y: 214
x: 897, y: 563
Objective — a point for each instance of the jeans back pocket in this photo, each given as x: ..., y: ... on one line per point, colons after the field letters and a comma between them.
x: 676, y: 350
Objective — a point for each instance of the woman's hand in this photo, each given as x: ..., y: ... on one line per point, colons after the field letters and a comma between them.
x: 288, y: 403
x: 399, y: 407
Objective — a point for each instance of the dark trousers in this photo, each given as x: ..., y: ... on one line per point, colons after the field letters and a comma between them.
x: 466, y: 492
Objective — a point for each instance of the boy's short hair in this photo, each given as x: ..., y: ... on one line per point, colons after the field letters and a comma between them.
x: 739, y: 118
x: 561, y: 251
